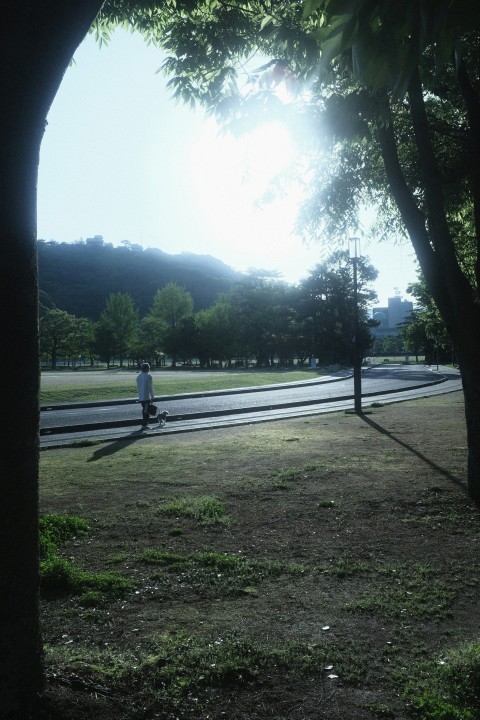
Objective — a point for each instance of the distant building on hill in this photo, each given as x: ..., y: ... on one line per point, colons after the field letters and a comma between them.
x: 391, y: 317
x: 95, y: 240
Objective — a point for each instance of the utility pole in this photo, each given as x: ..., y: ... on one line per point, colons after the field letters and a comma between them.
x: 357, y: 360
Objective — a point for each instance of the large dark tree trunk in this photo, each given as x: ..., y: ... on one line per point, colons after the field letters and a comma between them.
x: 456, y: 299
x: 20, y: 671
x: 37, y: 41
x: 469, y: 363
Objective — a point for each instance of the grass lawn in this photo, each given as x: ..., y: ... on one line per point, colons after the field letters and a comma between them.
x: 84, y: 386
x: 324, y: 567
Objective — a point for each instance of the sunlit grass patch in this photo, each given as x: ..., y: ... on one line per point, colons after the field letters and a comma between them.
x: 288, y: 474
x: 101, y: 387
x: 206, y: 510
x: 95, y: 390
x: 285, y: 477
x: 59, y: 576
x: 58, y: 529
x: 217, y: 572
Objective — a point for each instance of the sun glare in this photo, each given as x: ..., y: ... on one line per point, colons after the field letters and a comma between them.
x: 230, y: 176
x: 266, y: 152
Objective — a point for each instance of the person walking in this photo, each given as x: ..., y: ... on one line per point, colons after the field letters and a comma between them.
x: 145, y: 392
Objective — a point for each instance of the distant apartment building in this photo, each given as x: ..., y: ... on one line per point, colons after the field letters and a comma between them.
x: 390, y: 317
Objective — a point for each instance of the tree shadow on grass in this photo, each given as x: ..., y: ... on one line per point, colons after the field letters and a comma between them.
x: 117, y: 445
x: 456, y: 480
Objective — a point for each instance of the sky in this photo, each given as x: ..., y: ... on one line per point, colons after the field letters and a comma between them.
x: 120, y: 158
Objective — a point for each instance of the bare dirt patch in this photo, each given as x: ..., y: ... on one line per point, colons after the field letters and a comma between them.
x: 350, y: 554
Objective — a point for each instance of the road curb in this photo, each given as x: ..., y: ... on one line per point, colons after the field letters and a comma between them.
x: 111, y: 424
x: 186, y: 396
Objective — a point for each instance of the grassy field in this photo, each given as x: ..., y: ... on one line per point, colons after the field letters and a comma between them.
x: 313, y: 568
x: 80, y: 386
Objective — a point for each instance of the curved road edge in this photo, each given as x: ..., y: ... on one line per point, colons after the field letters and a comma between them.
x: 116, y: 430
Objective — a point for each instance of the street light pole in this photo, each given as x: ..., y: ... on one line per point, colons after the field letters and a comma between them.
x: 357, y: 360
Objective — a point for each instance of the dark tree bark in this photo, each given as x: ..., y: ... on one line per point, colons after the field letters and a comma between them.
x: 429, y: 232
x: 37, y: 41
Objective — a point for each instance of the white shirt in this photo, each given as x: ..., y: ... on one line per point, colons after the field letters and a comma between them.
x: 145, y: 386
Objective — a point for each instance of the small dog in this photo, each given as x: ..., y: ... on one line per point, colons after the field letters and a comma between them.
x: 162, y: 418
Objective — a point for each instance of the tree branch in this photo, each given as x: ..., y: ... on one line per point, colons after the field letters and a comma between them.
x: 439, y: 231
x: 411, y: 215
x: 451, y: 289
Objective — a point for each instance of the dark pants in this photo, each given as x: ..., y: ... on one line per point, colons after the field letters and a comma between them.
x: 145, y: 415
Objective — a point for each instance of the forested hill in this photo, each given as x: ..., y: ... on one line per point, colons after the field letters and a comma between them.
x: 78, y: 277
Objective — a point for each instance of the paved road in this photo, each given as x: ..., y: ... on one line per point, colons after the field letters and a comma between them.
x: 199, y: 411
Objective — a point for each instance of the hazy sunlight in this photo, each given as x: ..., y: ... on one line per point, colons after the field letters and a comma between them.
x: 230, y: 176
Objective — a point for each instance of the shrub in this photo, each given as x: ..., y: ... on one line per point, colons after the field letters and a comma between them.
x: 59, y: 576
x: 452, y: 690
x: 57, y: 529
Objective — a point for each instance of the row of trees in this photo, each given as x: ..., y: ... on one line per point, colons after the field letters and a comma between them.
x: 260, y: 319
